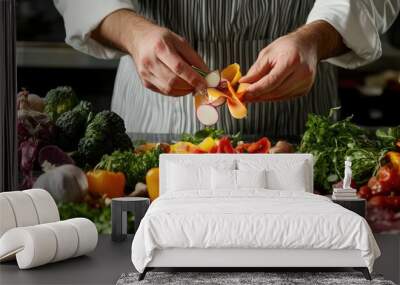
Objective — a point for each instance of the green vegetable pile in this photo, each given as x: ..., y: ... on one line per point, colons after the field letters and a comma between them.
x: 331, y: 142
x: 71, y: 125
x: 59, y: 101
x: 101, y: 216
x: 133, y: 165
x: 104, y: 134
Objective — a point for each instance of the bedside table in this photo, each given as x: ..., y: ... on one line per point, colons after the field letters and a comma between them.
x: 119, y: 208
x: 356, y: 205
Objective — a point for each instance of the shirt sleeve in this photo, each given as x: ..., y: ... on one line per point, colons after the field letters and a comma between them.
x: 81, y: 17
x: 359, y: 22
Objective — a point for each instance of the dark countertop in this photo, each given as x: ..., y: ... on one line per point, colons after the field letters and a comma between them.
x: 102, y: 266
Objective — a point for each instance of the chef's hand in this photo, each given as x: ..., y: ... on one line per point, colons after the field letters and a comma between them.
x: 287, y: 67
x: 163, y: 59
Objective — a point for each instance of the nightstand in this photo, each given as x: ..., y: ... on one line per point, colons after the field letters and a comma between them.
x: 356, y: 205
x: 119, y: 208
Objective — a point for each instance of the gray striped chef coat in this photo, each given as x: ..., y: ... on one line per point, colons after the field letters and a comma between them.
x: 223, y: 32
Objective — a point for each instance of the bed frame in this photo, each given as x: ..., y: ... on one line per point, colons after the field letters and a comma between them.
x: 246, y: 258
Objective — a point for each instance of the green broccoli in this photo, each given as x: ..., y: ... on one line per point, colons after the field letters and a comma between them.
x: 59, y: 101
x: 104, y: 134
x: 72, y: 124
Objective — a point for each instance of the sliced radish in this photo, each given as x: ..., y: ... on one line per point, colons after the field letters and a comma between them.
x: 217, y: 102
x: 213, y: 79
x: 207, y: 114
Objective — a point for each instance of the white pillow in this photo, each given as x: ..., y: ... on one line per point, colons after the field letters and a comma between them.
x: 293, y: 179
x: 251, y: 178
x: 223, y: 179
x: 186, y: 176
x: 281, y: 174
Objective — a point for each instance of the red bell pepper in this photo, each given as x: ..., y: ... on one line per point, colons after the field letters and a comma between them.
x: 261, y: 146
x: 242, y: 148
x: 225, y: 146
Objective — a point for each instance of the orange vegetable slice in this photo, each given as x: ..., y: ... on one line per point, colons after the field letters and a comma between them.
x: 242, y: 90
x: 232, y: 73
x: 214, y: 94
x: 237, y: 109
x: 200, y: 98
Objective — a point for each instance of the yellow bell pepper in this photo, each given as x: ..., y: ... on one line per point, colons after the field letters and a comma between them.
x: 207, y: 144
x: 152, y: 182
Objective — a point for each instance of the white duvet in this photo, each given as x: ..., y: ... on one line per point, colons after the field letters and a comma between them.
x: 253, y: 218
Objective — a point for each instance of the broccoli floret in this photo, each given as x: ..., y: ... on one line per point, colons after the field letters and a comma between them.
x: 104, y: 134
x: 59, y: 101
x: 107, y: 122
x: 72, y: 125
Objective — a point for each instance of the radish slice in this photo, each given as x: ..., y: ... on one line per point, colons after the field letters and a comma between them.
x: 217, y: 102
x: 213, y: 79
x: 207, y: 114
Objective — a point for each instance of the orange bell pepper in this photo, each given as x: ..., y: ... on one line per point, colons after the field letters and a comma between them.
x: 103, y: 182
x: 153, y: 183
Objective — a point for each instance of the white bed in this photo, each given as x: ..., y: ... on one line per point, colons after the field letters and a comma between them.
x: 283, y: 224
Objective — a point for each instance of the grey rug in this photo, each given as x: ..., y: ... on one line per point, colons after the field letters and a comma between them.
x: 243, y: 278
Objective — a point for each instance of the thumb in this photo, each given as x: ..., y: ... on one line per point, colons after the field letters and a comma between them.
x: 256, y: 72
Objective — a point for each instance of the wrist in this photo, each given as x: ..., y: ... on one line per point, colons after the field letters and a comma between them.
x: 322, y: 38
x: 135, y: 27
x: 120, y: 29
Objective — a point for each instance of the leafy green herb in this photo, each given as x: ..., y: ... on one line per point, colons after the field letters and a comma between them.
x: 388, y: 137
x: 331, y: 142
x: 133, y: 165
x: 100, y: 216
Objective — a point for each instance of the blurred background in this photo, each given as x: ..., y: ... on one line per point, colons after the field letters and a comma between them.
x: 45, y: 61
